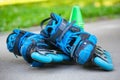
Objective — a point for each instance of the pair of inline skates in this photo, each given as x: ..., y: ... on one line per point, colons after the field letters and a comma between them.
x: 59, y: 41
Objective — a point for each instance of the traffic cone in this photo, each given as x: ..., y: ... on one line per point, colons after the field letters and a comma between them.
x: 77, y: 16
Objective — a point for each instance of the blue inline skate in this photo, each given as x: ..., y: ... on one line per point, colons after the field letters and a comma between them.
x: 33, y: 48
x: 75, y: 42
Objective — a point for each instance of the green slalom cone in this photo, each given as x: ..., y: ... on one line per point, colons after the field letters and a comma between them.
x: 77, y: 16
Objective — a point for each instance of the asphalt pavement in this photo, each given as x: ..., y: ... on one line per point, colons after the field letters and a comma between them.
x: 108, y: 34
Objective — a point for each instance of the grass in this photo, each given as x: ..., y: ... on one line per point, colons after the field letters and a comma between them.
x: 31, y: 14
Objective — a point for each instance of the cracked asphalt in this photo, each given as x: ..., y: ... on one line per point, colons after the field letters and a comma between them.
x: 108, y: 34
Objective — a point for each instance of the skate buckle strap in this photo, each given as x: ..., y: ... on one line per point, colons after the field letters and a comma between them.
x: 16, y: 50
x: 62, y: 29
x: 59, y: 31
x: 100, y: 53
x: 83, y: 36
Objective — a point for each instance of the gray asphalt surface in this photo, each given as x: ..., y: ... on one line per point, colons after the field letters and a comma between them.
x: 108, y: 33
